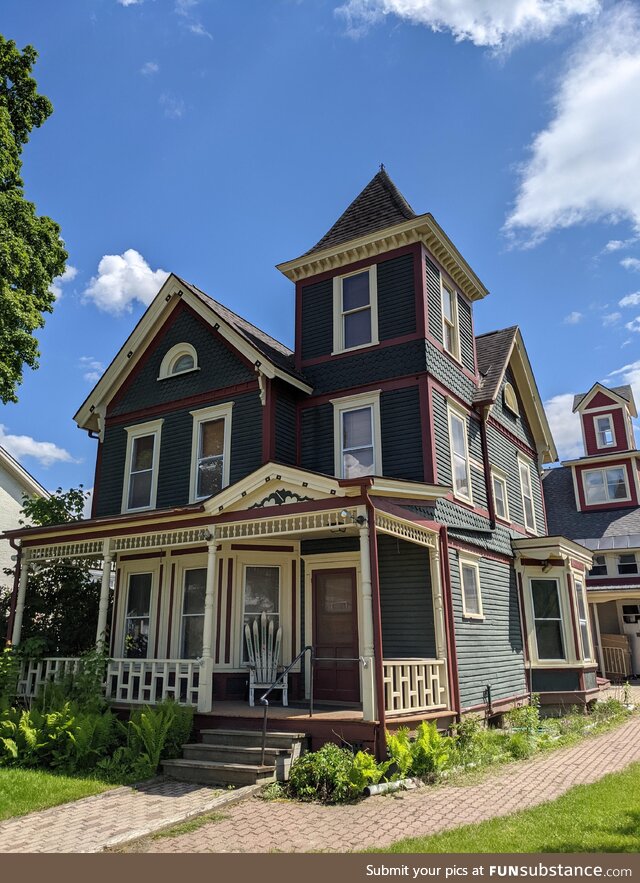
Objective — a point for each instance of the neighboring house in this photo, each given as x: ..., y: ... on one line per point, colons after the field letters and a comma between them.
x: 595, y: 500
x: 376, y: 492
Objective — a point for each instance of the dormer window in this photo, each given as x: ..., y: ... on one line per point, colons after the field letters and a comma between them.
x: 450, y: 330
x: 355, y: 310
x: 180, y: 359
x: 510, y: 399
x: 605, y: 485
x: 605, y: 435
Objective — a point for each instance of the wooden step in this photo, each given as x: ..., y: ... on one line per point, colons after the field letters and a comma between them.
x: 250, y: 738
x: 244, y: 754
x: 207, y: 772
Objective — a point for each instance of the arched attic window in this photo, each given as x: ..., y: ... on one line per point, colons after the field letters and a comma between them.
x: 510, y: 399
x: 178, y: 360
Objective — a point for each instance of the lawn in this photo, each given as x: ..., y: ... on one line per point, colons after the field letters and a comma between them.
x: 603, y: 817
x: 23, y: 791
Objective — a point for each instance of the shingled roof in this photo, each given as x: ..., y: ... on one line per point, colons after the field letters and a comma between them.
x: 625, y: 392
x: 378, y: 206
x: 493, y: 350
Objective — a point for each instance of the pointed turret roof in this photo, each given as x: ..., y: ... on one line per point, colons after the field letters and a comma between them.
x: 378, y: 206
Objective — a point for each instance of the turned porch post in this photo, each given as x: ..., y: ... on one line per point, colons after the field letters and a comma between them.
x: 22, y: 592
x: 205, y: 690
x: 105, y: 586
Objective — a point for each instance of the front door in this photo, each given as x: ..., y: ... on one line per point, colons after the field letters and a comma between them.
x: 335, y: 636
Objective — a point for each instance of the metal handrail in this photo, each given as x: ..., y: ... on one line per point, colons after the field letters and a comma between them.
x: 265, y: 702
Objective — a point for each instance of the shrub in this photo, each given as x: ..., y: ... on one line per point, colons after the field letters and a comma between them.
x: 425, y: 756
x: 400, y: 752
x: 9, y: 670
x: 521, y: 745
x: 323, y: 775
x: 526, y: 718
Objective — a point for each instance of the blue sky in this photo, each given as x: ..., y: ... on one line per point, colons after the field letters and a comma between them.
x: 215, y: 139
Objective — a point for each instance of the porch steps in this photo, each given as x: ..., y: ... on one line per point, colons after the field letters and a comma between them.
x: 233, y: 757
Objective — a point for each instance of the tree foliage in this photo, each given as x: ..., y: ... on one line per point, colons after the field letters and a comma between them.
x: 32, y: 253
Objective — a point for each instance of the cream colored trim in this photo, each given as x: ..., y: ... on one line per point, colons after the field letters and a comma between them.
x: 612, y: 430
x: 127, y: 568
x: 598, y: 387
x: 453, y: 412
x: 455, y: 323
x: 389, y: 487
x: 568, y: 647
x: 183, y: 563
x: 526, y: 463
x: 544, y: 548
x: 339, y: 314
x: 342, y: 406
x: 579, y: 580
x: 171, y: 356
x: 500, y: 476
x: 510, y: 399
x: 154, y: 428
x: 473, y: 561
x: 603, y: 469
x: 204, y: 415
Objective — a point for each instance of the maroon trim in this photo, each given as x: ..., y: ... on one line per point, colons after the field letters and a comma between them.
x: 613, y: 504
x: 385, y: 385
x: 419, y: 281
x: 219, y: 614
x: 488, y: 478
x: 378, y: 653
x: 227, y: 636
x: 238, y: 547
x: 577, y: 565
x: 449, y: 621
x: 96, y: 478
x: 211, y: 396
x: 491, y: 421
x: 462, y: 546
x: 192, y: 550
x: 125, y: 531
x: 14, y: 593
x: 141, y: 556
x: 390, y: 341
x: 523, y: 631
x: 171, y: 589
x: 294, y: 612
x: 157, y: 642
x: 426, y: 426
x: 483, y: 706
x: 612, y: 581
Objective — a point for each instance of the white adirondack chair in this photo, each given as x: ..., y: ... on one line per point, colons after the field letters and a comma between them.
x: 263, y: 647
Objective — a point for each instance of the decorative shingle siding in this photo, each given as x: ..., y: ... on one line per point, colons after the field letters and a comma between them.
x: 489, y: 650
x: 362, y: 368
x: 466, y: 334
x: 434, y: 299
x: 285, y: 429
x: 405, y: 599
x: 467, y: 526
x: 447, y: 372
x: 396, y: 297
x: 518, y: 425
x: 316, y: 426
x: 218, y: 368
x: 441, y: 431
x: 317, y: 319
x: 401, y: 434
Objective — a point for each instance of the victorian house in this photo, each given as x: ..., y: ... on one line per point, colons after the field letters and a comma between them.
x: 375, y: 492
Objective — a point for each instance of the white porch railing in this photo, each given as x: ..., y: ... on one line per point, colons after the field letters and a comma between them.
x: 617, y: 662
x: 146, y: 681
x: 35, y: 673
x: 414, y: 685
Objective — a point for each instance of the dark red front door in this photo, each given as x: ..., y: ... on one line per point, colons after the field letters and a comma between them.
x: 335, y: 636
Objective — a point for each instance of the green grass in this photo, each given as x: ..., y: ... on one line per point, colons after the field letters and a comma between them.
x: 603, y: 817
x: 190, y: 825
x: 24, y: 791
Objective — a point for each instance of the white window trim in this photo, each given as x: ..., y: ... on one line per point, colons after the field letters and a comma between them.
x: 244, y: 662
x: 338, y: 324
x: 456, y: 319
x: 579, y: 586
x: 612, y: 429
x: 606, y: 564
x: 129, y: 568
x: 216, y: 412
x: 566, y: 644
x: 502, y: 477
x: 525, y: 463
x: 354, y: 403
x: 603, y: 469
x: 453, y: 411
x: 180, y: 349
x: 153, y: 427
x: 618, y: 556
x: 467, y: 560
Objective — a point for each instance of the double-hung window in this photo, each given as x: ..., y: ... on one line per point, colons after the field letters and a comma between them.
x: 191, y: 632
x: 527, y: 495
x: 141, y: 470
x: 627, y: 564
x: 500, y: 497
x: 138, y: 616
x: 599, y: 566
x: 583, y: 622
x: 605, y: 437
x: 450, y: 329
x: 460, y: 469
x: 261, y: 595
x: 355, y: 308
x: 470, y: 584
x: 357, y: 449
x: 210, y: 450
x: 605, y: 485
x: 547, y: 616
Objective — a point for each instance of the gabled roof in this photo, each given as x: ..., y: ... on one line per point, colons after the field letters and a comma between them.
x: 378, y: 206
x: 493, y: 351
x: 20, y: 474
x: 619, y: 392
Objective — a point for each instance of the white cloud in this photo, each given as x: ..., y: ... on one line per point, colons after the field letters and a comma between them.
x: 484, y: 22
x: 184, y: 7
x: 45, y: 453
x: 585, y: 166
x: 631, y: 263
x: 130, y: 2
x: 565, y: 425
x: 123, y: 279
x: 619, y: 244
x: 627, y: 374
x: 611, y: 318
x: 149, y: 68
x: 92, y: 368
x: 630, y: 300
x: 633, y: 325
x: 174, y: 107
x: 69, y: 275
x: 199, y: 29
x: 625, y: 343
x: 573, y: 318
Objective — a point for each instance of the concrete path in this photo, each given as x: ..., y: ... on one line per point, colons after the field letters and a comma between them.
x: 259, y: 826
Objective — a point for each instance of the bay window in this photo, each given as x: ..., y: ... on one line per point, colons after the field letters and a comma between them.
x: 547, y: 616
x: 583, y: 622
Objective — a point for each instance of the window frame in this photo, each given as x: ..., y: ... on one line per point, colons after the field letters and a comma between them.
x: 582, y: 622
x: 500, y: 476
x: 140, y: 430
x: 454, y: 412
x: 171, y: 357
x: 455, y: 324
x: 151, y: 619
x: 524, y: 463
x: 182, y: 615
x: 612, y: 430
x: 604, y: 564
x: 603, y: 470
x: 510, y: 399
x: 207, y: 415
x: 561, y: 619
x: 357, y: 403
x: 243, y: 660
x: 339, y: 313
x: 618, y: 564
x: 469, y: 561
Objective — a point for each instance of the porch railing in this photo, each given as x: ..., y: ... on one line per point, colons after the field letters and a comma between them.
x: 145, y: 681
x: 35, y: 673
x: 415, y: 685
x: 617, y: 661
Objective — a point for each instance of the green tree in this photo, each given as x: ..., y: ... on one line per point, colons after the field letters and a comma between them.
x: 32, y: 253
x: 61, y: 606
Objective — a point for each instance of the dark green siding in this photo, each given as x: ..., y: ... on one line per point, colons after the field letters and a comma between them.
x: 489, y: 650
x: 441, y: 432
x: 317, y: 319
x: 401, y: 434
x: 358, y: 369
x: 466, y: 335
x: 396, y: 297
x: 285, y: 429
x: 518, y: 425
x: 406, y: 601
x: 478, y: 482
x: 434, y: 299
x: 329, y: 545
x: 447, y: 372
x: 316, y: 426
x: 504, y: 455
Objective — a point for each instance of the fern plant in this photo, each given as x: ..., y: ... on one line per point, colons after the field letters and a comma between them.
x: 399, y: 748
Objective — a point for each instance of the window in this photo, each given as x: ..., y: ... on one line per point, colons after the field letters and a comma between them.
x: 510, y: 399
x: 261, y: 595
x: 605, y: 437
x: 357, y: 435
x: 210, y: 450
x: 583, y: 623
x: 547, y: 619
x: 141, y: 469
x: 599, y: 566
x: 180, y: 359
x: 450, y: 334
x: 527, y: 495
x: 459, y: 455
x: 191, y: 631
x: 136, y: 626
x: 627, y: 564
x: 470, y: 583
x: 355, y: 310
x: 605, y: 485
x: 500, y: 497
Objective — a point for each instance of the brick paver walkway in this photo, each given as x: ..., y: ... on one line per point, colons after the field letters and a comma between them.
x: 259, y: 826
x: 92, y: 824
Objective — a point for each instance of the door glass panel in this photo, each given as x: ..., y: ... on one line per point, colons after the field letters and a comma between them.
x: 261, y: 595
x: 193, y: 613
x: 136, y: 631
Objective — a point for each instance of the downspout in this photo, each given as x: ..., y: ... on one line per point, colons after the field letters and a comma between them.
x: 452, y: 655
x: 380, y: 738
x: 524, y: 631
x: 14, y: 592
x: 491, y: 503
